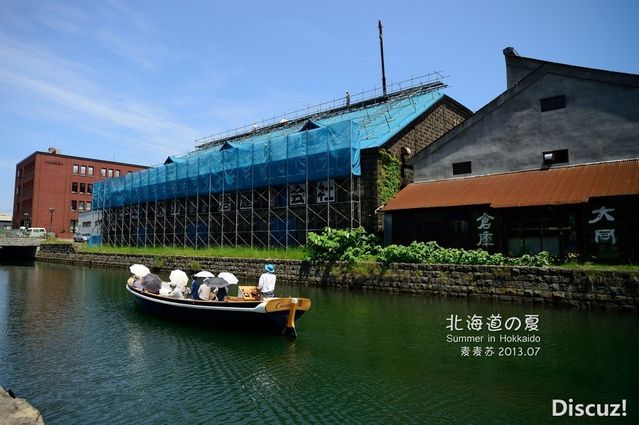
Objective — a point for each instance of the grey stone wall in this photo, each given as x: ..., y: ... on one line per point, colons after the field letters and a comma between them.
x: 576, y: 288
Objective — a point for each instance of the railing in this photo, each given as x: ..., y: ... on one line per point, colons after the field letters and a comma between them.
x: 428, y: 82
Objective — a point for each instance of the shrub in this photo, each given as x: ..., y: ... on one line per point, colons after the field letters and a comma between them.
x: 416, y: 252
x: 341, y: 245
x: 353, y: 245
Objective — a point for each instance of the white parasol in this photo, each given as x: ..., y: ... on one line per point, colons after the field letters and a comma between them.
x: 204, y: 273
x: 179, y: 278
x: 139, y: 270
x: 229, y: 277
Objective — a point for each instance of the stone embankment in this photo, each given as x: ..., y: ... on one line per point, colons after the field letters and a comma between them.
x: 16, y: 411
x: 578, y: 288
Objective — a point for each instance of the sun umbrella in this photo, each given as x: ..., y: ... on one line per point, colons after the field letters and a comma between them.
x: 216, y: 282
x: 204, y: 273
x: 229, y: 277
x: 179, y: 278
x: 152, y: 283
x: 139, y: 270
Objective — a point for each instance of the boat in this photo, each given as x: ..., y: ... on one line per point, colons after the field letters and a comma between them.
x: 246, y: 311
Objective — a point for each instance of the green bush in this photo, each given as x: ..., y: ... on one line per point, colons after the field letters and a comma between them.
x: 341, y: 245
x: 416, y: 252
x: 353, y: 245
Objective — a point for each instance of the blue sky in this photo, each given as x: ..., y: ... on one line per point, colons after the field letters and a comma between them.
x: 135, y: 81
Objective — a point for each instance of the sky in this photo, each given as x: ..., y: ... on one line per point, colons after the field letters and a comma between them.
x: 135, y: 81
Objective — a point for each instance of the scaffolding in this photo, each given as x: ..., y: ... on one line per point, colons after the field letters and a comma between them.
x: 268, y: 187
x: 268, y: 193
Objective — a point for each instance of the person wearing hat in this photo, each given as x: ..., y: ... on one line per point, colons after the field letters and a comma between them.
x: 266, y: 285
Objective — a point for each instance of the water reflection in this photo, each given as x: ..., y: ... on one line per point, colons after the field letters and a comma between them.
x: 73, y: 343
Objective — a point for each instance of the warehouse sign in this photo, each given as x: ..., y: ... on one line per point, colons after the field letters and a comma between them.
x: 326, y: 191
x: 296, y: 194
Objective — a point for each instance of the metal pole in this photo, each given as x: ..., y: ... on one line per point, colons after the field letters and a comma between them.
x: 51, y: 210
x: 381, y: 49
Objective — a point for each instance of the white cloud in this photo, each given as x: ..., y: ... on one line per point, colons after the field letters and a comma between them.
x: 48, y: 78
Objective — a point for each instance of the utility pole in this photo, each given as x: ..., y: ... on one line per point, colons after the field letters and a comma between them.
x: 381, y: 49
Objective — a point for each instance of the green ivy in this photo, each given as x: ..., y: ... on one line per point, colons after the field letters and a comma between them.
x: 389, y: 177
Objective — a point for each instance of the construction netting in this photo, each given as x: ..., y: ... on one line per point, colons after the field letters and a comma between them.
x: 330, y: 151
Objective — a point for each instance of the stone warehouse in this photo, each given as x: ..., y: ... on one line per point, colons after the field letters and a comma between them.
x: 550, y: 164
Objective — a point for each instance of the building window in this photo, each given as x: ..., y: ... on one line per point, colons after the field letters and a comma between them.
x: 552, y: 103
x: 129, y: 172
x: 88, y: 205
x: 462, y: 168
x: 117, y: 173
x: 555, y: 157
x: 19, y: 172
x: 110, y: 173
x: 90, y: 170
x: 73, y: 224
x: 83, y: 170
x: 74, y: 205
x: 82, y: 187
x: 81, y: 206
x: 74, y: 187
x: 103, y: 172
x: 89, y: 188
x: 76, y: 167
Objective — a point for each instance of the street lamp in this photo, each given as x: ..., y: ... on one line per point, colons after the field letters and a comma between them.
x: 51, y: 210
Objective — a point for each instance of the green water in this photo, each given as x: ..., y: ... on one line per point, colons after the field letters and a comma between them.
x: 74, y: 345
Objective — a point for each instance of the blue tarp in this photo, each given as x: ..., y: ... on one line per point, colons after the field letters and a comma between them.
x: 330, y: 148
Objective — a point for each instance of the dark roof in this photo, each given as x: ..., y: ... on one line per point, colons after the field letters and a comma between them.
x: 566, y: 185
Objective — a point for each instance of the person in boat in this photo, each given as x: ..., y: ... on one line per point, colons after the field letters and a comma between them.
x: 204, y: 292
x: 221, y: 293
x: 136, y: 282
x: 266, y: 284
x: 195, y: 287
x: 176, y: 291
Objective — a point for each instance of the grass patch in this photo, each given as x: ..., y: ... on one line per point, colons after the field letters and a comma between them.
x: 241, y: 252
x: 595, y: 266
x: 54, y: 241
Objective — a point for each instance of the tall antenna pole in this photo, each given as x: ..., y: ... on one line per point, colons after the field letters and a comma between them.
x: 381, y: 50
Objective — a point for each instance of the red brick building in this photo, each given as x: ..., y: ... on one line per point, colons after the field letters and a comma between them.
x: 51, y: 189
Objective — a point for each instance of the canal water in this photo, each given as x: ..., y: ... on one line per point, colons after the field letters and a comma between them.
x: 74, y: 345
